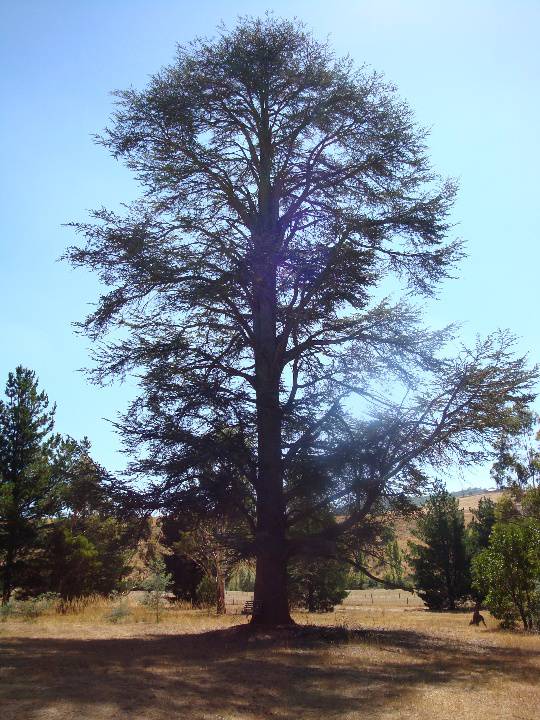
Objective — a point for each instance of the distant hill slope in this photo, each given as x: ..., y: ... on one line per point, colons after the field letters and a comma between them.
x: 470, y: 502
x: 467, y: 503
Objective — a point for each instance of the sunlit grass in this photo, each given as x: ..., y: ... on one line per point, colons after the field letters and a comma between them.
x: 374, y: 662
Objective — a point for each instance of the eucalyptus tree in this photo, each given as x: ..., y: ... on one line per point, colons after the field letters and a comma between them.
x: 282, y: 186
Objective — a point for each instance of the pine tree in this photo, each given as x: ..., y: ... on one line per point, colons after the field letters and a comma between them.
x: 440, y: 564
x: 29, y: 470
x: 157, y: 585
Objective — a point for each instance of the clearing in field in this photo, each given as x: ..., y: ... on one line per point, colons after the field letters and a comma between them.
x: 378, y: 661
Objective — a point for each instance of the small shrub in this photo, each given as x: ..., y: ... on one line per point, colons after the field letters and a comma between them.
x: 33, y: 608
x: 157, y: 584
x: 7, y: 610
x: 119, y: 612
x: 317, y: 585
x: 207, y: 592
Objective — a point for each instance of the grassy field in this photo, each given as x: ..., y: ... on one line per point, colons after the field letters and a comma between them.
x: 365, y: 661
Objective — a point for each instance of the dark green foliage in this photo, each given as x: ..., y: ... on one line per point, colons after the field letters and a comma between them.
x: 317, y: 585
x: 507, y: 573
x: 73, y: 562
x: 481, y: 525
x: 281, y: 188
x: 207, y: 595
x: 59, y: 530
x: 440, y: 564
x: 186, y: 574
x: 478, y: 534
x: 85, y: 548
x: 91, y: 558
x: 88, y: 547
x: 30, y: 472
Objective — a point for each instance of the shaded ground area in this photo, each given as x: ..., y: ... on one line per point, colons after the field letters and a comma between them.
x: 228, y: 673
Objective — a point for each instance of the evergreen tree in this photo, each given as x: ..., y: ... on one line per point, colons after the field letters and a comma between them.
x: 477, y: 539
x: 440, y: 563
x: 281, y: 187
x: 317, y: 585
x: 30, y: 474
x: 481, y: 525
x: 91, y: 542
x: 86, y: 546
x: 518, y: 453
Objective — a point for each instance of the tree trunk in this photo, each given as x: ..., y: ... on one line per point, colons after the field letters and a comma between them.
x: 311, y: 597
x: 523, y: 616
x: 220, y: 582
x: 271, y: 605
x: 7, y: 579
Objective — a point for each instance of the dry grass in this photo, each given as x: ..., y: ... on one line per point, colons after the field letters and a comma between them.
x: 374, y: 662
x: 470, y: 502
x: 381, y: 598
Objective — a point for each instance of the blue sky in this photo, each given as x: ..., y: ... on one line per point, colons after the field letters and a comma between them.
x: 469, y: 70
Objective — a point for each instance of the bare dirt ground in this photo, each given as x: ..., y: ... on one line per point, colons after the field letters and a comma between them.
x: 372, y: 662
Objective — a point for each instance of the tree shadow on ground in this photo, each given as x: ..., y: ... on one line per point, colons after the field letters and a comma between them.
x: 302, y: 673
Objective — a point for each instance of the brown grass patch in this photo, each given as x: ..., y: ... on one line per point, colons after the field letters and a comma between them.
x: 371, y: 663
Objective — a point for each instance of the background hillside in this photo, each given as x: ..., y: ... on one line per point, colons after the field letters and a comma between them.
x: 467, y: 503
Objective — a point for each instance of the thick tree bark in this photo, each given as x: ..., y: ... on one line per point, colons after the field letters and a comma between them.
x: 271, y: 598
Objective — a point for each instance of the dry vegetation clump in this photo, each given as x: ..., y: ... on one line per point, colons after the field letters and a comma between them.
x: 376, y: 662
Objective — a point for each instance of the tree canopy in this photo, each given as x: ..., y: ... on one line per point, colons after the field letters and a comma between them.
x: 281, y: 188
